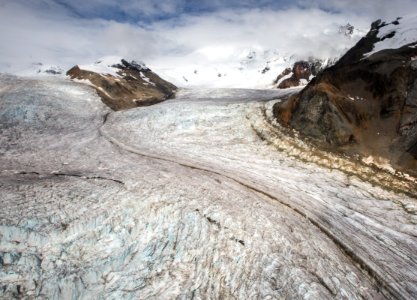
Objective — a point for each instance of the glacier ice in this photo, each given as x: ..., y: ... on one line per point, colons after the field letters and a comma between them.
x: 183, y: 200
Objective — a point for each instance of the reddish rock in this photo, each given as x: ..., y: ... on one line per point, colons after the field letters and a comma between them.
x: 301, y: 70
x: 126, y: 85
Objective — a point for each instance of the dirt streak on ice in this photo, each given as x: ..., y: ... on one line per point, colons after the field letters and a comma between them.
x: 369, y: 223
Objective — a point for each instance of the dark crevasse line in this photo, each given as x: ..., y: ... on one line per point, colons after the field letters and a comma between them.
x: 60, y: 174
x: 382, y: 280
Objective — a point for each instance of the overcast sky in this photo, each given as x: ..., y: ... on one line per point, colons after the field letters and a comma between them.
x: 68, y: 32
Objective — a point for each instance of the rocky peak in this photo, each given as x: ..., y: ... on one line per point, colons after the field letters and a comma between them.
x: 347, y: 29
x: 122, y: 84
x: 39, y: 68
x: 366, y: 103
x: 133, y: 65
x: 50, y: 70
x: 383, y: 36
x: 300, y: 74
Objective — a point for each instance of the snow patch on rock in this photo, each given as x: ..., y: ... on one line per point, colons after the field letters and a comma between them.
x: 105, y: 65
x: 397, y: 34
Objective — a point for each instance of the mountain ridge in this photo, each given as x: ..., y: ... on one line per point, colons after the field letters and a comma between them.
x: 366, y: 103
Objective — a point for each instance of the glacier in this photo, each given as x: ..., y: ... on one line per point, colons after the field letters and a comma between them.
x: 184, y: 199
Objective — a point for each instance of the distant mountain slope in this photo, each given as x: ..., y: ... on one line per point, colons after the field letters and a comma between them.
x: 256, y: 66
x: 367, y: 102
x: 251, y: 69
x: 122, y: 84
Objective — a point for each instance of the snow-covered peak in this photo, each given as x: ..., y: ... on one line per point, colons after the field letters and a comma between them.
x: 38, y: 69
x: 347, y: 30
x: 397, y: 34
x: 247, y: 68
x: 251, y: 65
x: 111, y: 65
x: 105, y: 65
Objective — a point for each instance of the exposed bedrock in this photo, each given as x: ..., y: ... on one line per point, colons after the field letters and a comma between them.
x: 125, y: 85
x: 365, y: 104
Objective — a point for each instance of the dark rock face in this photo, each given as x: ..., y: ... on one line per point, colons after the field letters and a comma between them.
x: 135, y: 85
x: 364, y: 104
x: 301, y: 70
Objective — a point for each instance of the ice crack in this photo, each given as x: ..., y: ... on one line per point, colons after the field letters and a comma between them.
x: 59, y: 174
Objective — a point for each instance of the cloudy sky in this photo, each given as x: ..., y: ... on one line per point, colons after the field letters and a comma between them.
x: 68, y: 32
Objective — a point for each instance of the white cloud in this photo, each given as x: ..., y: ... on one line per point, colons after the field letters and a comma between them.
x: 295, y: 31
x: 47, y: 31
x: 29, y: 36
x: 370, y: 9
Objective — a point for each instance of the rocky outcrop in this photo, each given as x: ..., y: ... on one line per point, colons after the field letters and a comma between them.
x: 48, y: 70
x: 122, y: 84
x: 367, y: 102
x: 300, y: 74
